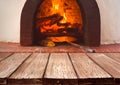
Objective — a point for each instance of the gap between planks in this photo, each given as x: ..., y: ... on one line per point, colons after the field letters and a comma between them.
x: 60, y: 67
x: 4, y: 55
x: 108, y: 64
x: 74, y: 62
x: 114, y: 56
x: 10, y: 64
x: 87, y: 70
x: 31, y: 71
x: 60, y: 70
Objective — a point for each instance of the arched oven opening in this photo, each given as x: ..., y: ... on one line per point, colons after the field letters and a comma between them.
x: 60, y: 21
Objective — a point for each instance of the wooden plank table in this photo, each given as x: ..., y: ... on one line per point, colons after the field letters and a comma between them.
x: 59, y: 68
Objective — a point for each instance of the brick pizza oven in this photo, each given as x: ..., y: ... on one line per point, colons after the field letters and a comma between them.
x: 75, y: 19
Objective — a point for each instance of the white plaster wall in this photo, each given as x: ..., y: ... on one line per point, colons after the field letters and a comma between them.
x: 10, y: 12
x: 110, y: 21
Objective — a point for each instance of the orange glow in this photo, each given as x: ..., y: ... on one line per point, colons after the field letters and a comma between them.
x: 56, y: 6
x: 52, y: 28
x: 62, y: 39
x: 59, y: 16
x: 64, y: 18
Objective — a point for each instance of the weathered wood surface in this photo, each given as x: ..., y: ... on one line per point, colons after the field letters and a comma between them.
x: 4, y: 55
x: 31, y: 71
x: 60, y: 67
x: 115, y: 56
x: 10, y: 64
x: 109, y: 65
x: 87, y: 70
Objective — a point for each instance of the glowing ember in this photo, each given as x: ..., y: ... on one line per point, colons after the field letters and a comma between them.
x: 62, y: 39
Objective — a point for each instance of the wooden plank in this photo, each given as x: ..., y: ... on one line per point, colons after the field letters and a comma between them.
x: 4, y: 55
x: 87, y: 70
x: 115, y: 56
x: 60, y: 68
x: 108, y: 64
x: 10, y: 64
x: 31, y: 71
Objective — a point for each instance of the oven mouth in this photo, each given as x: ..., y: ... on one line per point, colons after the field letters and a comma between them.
x: 87, y: 32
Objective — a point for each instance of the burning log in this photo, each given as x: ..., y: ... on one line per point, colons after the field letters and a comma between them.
x: 53, y: 19
x: 64, y: 24
x: 60, y: 34
x: 52, y: 24
x: 68, y: 30
x: 49, y: 17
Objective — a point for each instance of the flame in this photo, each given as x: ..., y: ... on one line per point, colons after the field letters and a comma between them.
x: 64, y: 18
x: 64, y: 15
x: 56, y: 6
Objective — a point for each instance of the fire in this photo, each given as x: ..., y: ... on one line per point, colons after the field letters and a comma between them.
x: 62, y: 39
x: 60, y: 19
x: 52, y: 28
x: 64, y: 18
x: 56, y: 6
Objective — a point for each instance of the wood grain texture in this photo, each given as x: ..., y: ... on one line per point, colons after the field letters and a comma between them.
x: 4, y: 55
x: 60, y: 67
x: 86, y: 68
x: 108, y: 64
x: 31, y: 70
x: 115, y: 56
x: 10, y: 64
x: 33, y: 67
